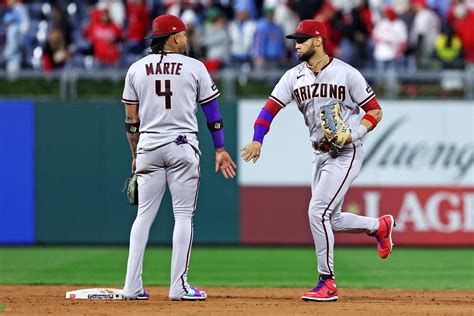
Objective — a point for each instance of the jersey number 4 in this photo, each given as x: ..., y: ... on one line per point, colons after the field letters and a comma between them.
x: 167, y: 93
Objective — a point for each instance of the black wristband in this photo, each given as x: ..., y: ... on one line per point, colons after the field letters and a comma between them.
x: 132, y: 128
x: 215, y: 126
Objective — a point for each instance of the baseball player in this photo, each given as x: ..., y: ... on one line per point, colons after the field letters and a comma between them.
x: 318, y: 81
x: 160, y: 95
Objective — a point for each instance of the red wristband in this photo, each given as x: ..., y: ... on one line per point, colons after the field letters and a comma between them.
x: 371, y: 119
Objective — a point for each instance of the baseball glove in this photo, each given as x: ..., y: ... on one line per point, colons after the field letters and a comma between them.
x: 131, y: 186
x: 334, y: 128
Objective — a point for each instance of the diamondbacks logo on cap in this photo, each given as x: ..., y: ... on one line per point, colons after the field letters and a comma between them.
x: 317, y: 32
x: 300, y: 27
x: 174, y: 28
x: 155, y: 28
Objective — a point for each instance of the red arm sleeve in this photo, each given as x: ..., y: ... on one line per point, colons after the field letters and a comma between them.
x: 373, y: 104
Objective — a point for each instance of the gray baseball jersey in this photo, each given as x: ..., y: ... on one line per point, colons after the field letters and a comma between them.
x: 332, y: 176
x: 166, y: 90
x: 167, y: 93
x: 336, y: 81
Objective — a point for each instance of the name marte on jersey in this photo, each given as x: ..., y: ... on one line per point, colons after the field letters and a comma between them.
x: 320, y: 90
x: 163, y: 69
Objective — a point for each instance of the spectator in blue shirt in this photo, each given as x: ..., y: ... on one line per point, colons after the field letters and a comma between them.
x: 248, y: 5
x: 269, y: 41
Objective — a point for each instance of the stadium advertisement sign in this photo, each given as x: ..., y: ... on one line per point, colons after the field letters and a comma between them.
x: 416, y: 167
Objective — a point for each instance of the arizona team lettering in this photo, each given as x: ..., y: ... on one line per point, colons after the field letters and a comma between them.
x: 163, y: 69
x: 320, y: 90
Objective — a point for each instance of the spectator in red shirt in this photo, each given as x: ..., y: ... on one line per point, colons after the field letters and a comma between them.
x: 137, y: 18
x: 105, y: 37
x: 465, y: 31
x: 333, y: 21
x: 457, y: 11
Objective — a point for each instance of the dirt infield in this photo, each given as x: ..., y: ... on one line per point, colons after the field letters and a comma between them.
x: 40, y: 300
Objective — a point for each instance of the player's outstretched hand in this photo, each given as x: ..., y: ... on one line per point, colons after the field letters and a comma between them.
x: 251, y: 151
x: 225, y: 163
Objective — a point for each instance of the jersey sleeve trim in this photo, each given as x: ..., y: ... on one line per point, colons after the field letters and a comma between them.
x: 212, y: 97
x: 370, y: 97
x: 129, y: 101
x: 277, y: 101
x: 371, y: 105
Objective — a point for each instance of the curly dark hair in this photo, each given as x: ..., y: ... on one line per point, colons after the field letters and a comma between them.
x: 158, y: 45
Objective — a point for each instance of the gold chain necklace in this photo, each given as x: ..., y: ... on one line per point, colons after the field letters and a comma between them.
x: 313, y: 68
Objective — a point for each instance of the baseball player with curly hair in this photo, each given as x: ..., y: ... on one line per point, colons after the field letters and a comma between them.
x: 329, y: 93
x: 160, y: 95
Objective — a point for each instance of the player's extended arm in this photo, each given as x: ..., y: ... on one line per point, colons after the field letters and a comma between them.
x: 261, y: 128
x: 132, y: 124
x: 224, y: 161
x: 369, y: 121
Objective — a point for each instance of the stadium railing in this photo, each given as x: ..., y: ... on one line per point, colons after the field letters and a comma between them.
x: 229, y: 80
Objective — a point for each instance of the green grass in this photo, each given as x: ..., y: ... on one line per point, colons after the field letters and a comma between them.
x: 242, y: 267
x: 2, y: 307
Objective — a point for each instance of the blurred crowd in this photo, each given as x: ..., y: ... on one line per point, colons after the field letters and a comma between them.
x: 403, y: 35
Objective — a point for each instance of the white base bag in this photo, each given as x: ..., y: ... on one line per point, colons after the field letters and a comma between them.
x: 95, y: 294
